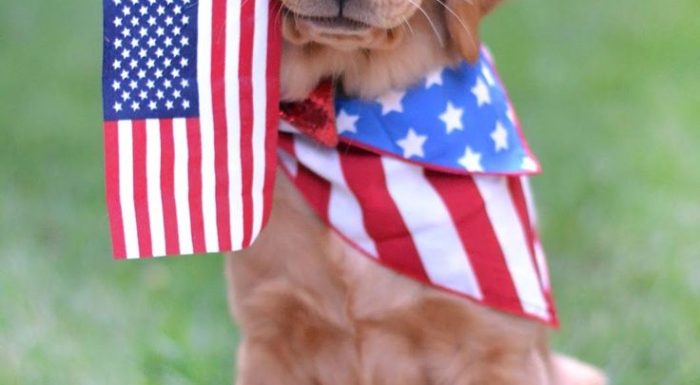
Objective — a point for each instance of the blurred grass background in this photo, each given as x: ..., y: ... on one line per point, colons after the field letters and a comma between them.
x: 609, y: 93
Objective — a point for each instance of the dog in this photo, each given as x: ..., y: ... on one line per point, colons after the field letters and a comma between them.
x: 311, y: 308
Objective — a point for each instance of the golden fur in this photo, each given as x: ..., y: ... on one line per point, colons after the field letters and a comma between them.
x: 395, y: 59
x: 313, y: 311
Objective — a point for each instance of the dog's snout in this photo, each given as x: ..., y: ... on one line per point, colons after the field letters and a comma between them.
x: 347, y: 19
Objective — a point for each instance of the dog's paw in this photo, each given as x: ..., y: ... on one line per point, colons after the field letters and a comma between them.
x: 569, y: 371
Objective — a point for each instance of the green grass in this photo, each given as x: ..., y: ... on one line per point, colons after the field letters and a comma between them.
x: 609, y: 92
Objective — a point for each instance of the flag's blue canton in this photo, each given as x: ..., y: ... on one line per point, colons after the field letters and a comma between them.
x: 150, y: 59
x: 457, y: 119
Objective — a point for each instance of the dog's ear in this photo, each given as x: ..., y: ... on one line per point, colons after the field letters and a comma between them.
x: 463, y: 18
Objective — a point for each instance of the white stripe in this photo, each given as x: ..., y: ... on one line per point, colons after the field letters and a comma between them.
x: 529, y: 200
x: 541, y: 259
x: 511, y: 236
x: 440, y: 248
x: 206, y: 116
x: 288, y: 162
x: 344, y: 211
x: 126, y: 187
x: 285, y: 126
x: 155, y: 197
x: 540, y: 256
x: 233, y: 118
x: 181, y: 185
x: 259, y: 79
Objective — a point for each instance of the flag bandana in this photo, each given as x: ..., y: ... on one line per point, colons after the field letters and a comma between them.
x: 190, y: 99
x: 432, y: 183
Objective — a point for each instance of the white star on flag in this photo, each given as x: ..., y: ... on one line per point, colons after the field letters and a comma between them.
x: 481, y: 92
x: 412, y: 144
x: 471, y: 160
x: 452, y: 117
x: 500, y: 137
x: 434, y: 78
x: 391, y: 101
x: 346, y: 122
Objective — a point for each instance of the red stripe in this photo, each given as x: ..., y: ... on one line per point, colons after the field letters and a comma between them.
x: 246, y: 111
x: 194, y: 168
x: 272, y: 114
x: 316, y: 189
x: 468, y: 213
x: 365, y: 177
x: 286, y: 143
x: 517, y: 192
x: 167, y: 186
x: 114, y: 206
x: 218, y: 65
x: 143, y: 226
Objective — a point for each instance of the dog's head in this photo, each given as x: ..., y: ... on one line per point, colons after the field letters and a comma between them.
x: 372, y: 46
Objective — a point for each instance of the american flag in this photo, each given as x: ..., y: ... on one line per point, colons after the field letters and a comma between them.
x: 431, y: 182
x: 190, y: 105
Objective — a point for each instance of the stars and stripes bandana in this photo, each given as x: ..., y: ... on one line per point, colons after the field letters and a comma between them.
x: 190, y: 91
x: 432, y: 183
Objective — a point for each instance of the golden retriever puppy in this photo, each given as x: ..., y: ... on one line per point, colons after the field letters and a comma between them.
x: 311, y: 309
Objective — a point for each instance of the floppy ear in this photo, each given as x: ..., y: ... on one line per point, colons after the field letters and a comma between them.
x: 463, y: 24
